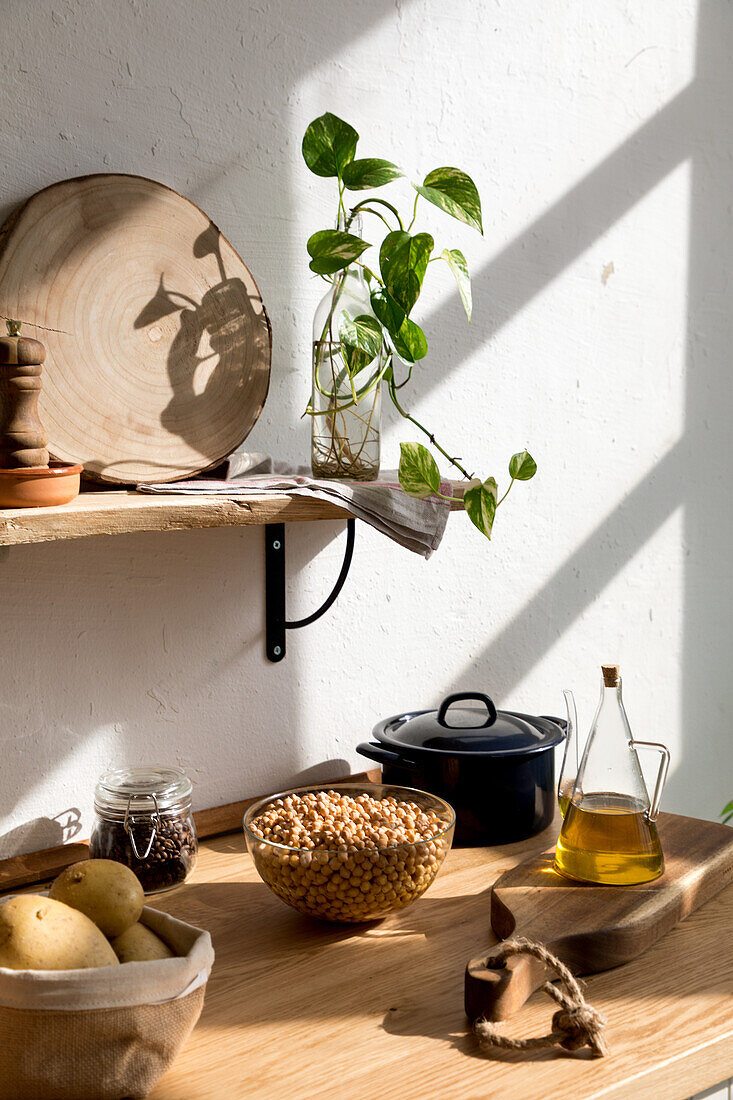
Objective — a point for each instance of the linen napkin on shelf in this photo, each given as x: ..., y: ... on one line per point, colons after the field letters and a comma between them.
x: 417, y: 524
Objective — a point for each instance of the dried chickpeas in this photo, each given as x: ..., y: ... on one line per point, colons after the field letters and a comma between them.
x: 358, y: 858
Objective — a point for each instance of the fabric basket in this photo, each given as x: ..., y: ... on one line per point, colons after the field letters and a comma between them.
x: 102, y: 1034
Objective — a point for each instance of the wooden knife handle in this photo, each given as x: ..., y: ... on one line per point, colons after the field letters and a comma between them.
x: 494, y: 993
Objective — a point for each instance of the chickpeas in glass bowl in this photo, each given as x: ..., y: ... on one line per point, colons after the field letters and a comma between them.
x: 350, y: 852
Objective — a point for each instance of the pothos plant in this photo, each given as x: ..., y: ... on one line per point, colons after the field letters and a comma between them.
x: 389, y: 337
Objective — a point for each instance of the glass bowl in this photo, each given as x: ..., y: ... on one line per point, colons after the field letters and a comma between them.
x: 355, y: 886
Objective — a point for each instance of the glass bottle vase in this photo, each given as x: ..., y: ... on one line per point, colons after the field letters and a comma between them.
x: 346, y: 400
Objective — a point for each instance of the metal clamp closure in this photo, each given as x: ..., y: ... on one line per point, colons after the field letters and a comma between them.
x: 129, y: 821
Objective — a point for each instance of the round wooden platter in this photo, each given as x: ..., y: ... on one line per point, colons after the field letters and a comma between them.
x: 158, y: 341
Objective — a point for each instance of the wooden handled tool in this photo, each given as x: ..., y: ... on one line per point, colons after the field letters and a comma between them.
x: 592, y: 928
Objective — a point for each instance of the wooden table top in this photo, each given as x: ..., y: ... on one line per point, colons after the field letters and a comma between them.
x: 302, y: 1010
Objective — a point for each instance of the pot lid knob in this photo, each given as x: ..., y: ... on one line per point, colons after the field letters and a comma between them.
x: 479, y: 697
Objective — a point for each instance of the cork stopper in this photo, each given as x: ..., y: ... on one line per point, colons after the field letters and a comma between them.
x: 611, y: 675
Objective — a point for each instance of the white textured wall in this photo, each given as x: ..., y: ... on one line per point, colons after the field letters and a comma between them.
x: 598, y: 134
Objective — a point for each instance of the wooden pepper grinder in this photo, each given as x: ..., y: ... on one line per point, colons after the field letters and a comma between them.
x: 22, y: 438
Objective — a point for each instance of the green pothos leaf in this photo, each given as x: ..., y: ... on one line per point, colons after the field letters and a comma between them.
x: 329, y: 144
x: 453, y: 191
x: 403, y: 261
x: 418, y: 471
x: 332, y: 250
x: 408, y: 339
x: 410, y: 343
x: 457, y: 263
x: 388, y: 311
x: 522, y: 466
x: 361, y: 341
x: 354, y: 358
x: 359, y: 175
x: 362, y: 332
x: 480, y: 504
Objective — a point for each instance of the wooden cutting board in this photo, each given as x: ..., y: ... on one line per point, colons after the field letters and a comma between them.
x: 158, y: 341
x: 592, y: 928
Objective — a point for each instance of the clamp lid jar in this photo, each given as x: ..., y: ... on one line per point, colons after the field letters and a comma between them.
x: 144, y: 820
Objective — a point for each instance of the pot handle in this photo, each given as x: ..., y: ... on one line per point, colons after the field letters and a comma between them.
x: 478, y: 695
x: 382, y: 755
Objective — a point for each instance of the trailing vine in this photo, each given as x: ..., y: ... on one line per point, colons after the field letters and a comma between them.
x: 388, y: 335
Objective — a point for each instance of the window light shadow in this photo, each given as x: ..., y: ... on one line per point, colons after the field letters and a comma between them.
x: 696, y: 122
x: 554, y: 240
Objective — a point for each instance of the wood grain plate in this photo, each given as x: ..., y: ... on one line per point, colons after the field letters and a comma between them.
x: 160, y: 362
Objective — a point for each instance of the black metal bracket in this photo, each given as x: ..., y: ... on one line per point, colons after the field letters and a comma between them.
x: 275, y: 622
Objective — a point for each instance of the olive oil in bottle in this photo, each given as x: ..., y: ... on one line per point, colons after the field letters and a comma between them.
x: 609, y: 833
x: 563, y: 798
x: 607, y: 838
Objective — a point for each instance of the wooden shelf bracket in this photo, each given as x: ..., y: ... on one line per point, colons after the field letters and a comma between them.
x: 275, y: 622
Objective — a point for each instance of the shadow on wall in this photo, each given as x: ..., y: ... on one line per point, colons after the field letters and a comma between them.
x: 151, y: 665
x: 146, y: 652
x: 692, y: 473
x: 41, y: 832
x: 238, y: 336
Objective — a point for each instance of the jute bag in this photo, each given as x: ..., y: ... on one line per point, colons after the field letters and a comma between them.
x: 104, y: 1034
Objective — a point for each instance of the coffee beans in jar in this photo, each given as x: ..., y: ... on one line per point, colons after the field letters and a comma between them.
x: 144, y: 820
x: 349, y: 853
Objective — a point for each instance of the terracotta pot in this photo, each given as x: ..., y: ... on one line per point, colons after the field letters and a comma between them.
x: 39, y: 486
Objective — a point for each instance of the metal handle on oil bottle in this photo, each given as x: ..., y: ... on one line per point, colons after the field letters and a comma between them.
x: 130, y: 821
x: 656, y: 746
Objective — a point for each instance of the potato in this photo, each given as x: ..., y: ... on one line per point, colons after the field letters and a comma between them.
x: 139, y: 944
x: 38, y: 933
x: 107, y: 892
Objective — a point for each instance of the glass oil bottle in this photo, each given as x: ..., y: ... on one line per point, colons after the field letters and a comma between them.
x: 609, y: 833
x: 569, y: 769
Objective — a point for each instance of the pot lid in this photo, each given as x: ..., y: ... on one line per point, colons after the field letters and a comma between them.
x: 469, y: 729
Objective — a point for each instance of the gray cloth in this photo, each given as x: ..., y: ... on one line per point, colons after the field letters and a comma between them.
x: 417, y: 524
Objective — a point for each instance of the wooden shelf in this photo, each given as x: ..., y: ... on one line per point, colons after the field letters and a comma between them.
x: 120, y: 513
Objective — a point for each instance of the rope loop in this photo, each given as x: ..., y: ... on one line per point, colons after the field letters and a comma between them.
x: 576, y: 1024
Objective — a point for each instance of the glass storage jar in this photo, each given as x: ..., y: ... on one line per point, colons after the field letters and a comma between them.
x: 144, y: 820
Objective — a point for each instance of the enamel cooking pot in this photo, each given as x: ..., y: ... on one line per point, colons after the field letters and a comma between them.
x: 496, y: 768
